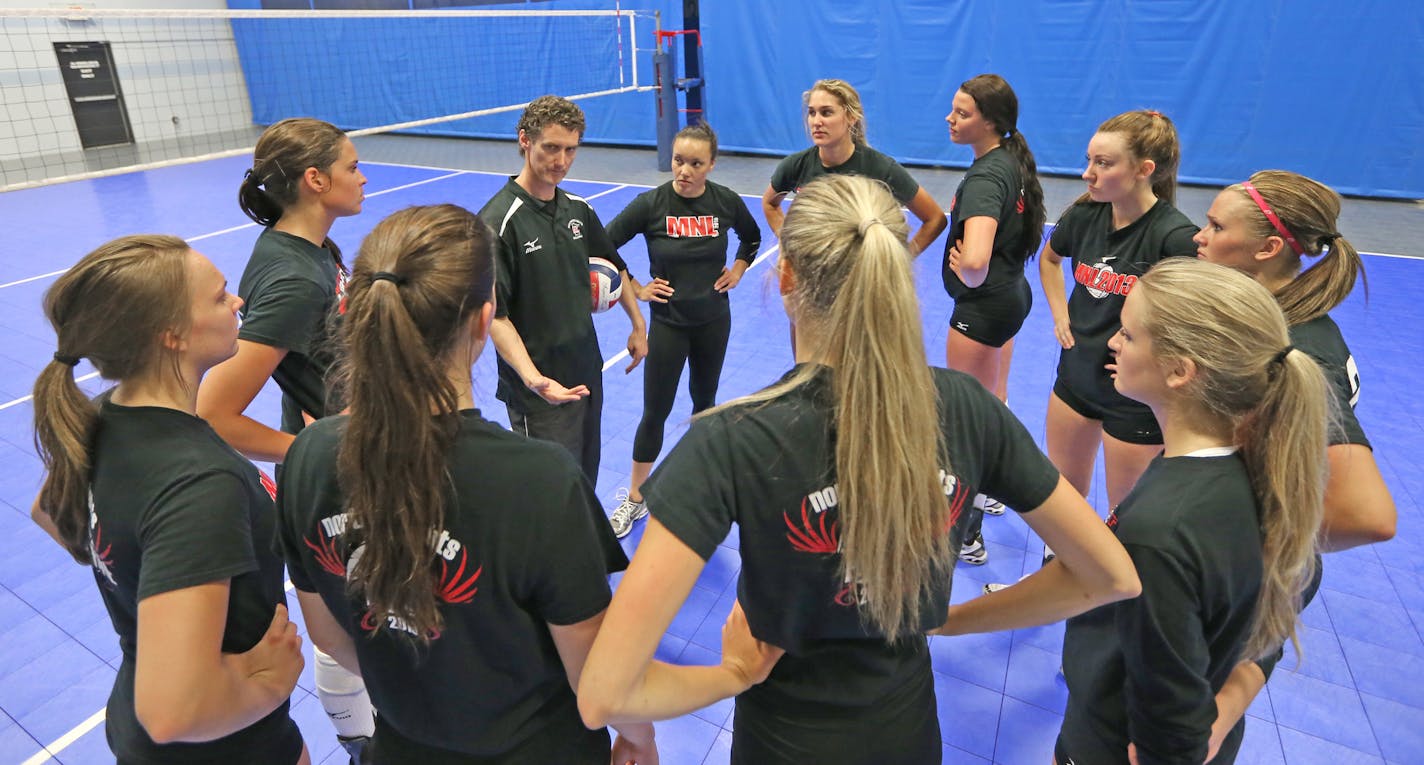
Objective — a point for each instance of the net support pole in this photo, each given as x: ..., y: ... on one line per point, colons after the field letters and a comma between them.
x: 692, y: 55
x: 665, y: 71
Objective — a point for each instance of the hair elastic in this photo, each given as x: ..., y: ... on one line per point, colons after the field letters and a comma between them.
x: 69, y: 361
x: 1280, y: 357
x: 1271, y: 216
x: 866, y: 223
x: 387, y: 276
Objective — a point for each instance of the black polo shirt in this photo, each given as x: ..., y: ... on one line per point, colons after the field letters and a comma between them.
x: 542, y: 286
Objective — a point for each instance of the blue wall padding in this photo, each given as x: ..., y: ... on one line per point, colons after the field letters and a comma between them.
x: 1333, y: 91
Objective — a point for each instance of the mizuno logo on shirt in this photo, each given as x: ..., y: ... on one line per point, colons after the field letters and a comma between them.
x: 692, y: 226
x: 1101, y: 281
x: 532, y: 245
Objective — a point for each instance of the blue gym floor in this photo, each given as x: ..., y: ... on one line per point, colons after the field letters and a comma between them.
x: 1357, y: 698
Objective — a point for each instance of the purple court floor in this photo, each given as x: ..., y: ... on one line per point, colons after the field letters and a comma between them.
x: 1358, y: 697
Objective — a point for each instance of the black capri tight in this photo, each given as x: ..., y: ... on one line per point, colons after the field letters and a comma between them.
x: 702, y: 348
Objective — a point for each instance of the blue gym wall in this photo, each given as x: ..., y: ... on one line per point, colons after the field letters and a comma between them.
x: 1333, y: 90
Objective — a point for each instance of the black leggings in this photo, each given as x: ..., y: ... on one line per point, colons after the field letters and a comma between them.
x: 702, y: 348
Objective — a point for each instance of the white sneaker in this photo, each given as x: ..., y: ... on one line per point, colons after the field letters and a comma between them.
x: 626, y: 513
x: 988, y: 504
x: 996, y: 586
x: 974, y: 552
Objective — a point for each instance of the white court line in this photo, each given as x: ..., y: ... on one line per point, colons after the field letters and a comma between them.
x: 23, y: 399
x: 212, y: 234
x: 60, y: 743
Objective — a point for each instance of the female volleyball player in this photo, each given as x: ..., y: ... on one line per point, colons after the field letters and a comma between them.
x: 836, y: 121
x: 304, y: 176
x: 847, y: 480
x: 685, y: 224
x: 1221, y: 527
x: 460, y: 566
x: 1115, y: 232
x: 1265, y: 227
x: 996, y: 225
x: 176, y: 526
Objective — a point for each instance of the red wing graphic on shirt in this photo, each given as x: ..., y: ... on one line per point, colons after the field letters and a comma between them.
x: 326, y: 555
x: 813, y: 538
x: 956, y: 503
x: 268, y: 484
x: 99, y: 556
x: 1019, y: 205
x: 453, y: 588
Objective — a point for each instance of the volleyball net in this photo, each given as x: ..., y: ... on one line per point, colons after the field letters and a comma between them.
x: 86, y: 93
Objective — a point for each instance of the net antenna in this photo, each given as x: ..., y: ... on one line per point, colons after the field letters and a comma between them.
x: 86, y: 93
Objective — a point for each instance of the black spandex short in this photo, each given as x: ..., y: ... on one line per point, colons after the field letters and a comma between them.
x: 1136, y: 426
x: 995, y: 318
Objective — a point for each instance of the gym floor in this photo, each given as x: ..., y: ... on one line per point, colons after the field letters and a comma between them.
x: 1358, y: 696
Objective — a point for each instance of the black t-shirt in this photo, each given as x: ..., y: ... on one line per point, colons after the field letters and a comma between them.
x: 687, y: 245
x: 993, y: 187
x: 171, y: 507
x: 541, y: 286
x: 1320, y: 337
x: 525, y: 545
x: 1106, y: 265
x: 769, y: 468
x: 1147, y: 670
x: 291, y: 289
x: 805, y: 166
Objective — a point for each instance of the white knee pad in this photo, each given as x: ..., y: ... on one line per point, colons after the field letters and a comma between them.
x: 343, y: 696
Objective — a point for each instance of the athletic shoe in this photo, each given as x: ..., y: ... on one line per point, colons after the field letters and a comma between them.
x: 974, y: 552
x: 988, y: 504
x: 996, y: 586
x: 626, y: 513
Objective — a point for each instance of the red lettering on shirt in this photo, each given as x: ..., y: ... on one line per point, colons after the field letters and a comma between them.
x: 686, y: 226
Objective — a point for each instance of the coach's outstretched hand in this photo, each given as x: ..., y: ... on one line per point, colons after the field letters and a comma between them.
x: 551, y: 391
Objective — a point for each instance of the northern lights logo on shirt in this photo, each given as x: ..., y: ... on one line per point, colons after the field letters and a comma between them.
x: 454, y: 584
x: 689, y: 226
x: 814, y: 531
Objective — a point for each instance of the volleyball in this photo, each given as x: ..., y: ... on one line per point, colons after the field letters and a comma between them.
x: 605, y: 284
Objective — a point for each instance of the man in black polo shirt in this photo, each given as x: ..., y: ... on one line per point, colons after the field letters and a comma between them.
x: 550, y: 368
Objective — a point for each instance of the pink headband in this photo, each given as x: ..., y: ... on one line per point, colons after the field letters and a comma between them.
x: 1271, y: 216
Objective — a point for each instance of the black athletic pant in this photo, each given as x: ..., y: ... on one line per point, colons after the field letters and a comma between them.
x: 702, y: 348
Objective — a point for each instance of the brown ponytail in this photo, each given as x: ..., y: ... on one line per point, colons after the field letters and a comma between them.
x: 420, y: 275
x: 283, y: 154
x: 140, y: 278
x: 1000, y: 106
x: 1309, y: 210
